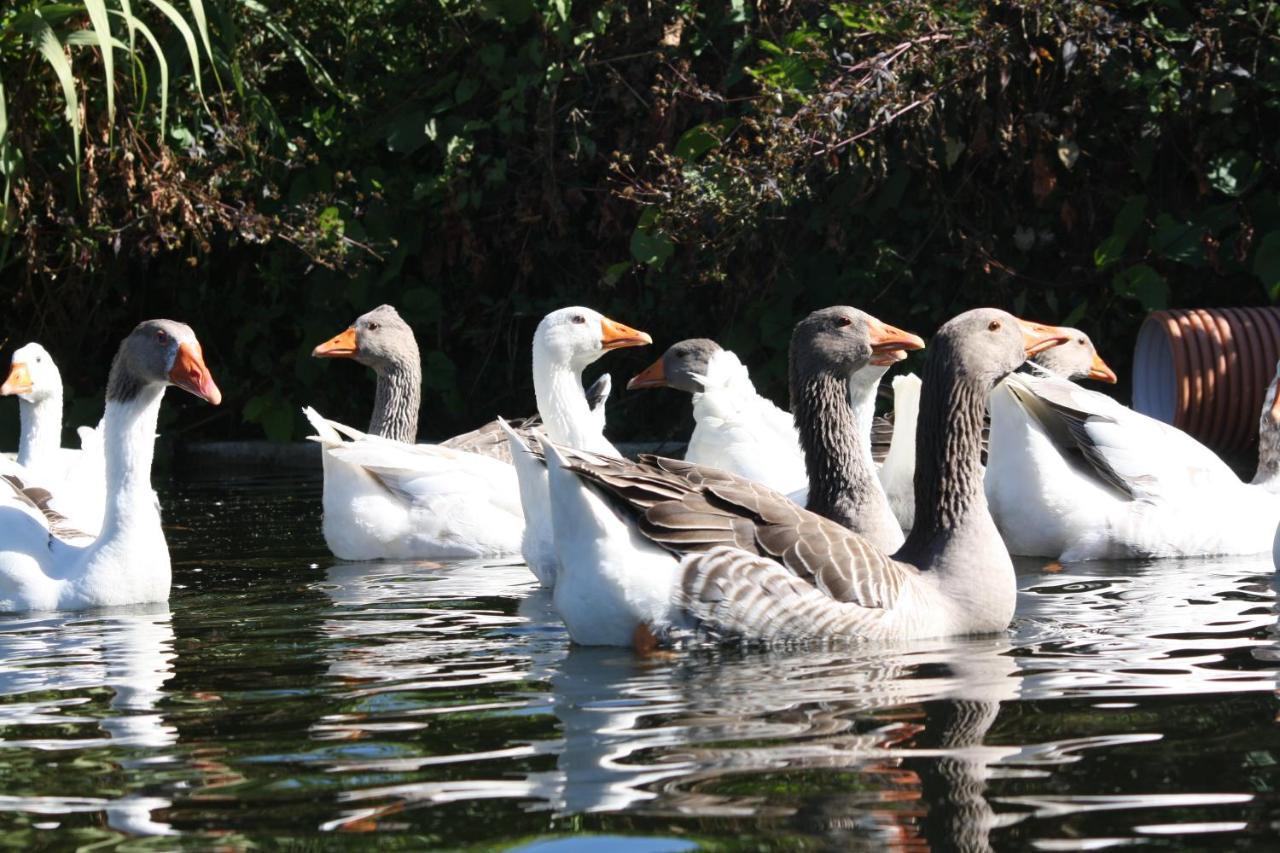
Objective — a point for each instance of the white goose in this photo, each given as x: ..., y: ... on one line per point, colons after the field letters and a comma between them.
x: 386, y: 497
x: 1074, y: 475
x: 736, y: 429
x: 76, y: 478
x: 128, y: 563
x: 565, y: 343
x: 674, y: 545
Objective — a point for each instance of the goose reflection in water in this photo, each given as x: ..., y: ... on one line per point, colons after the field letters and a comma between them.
x: 897, y: 735
x: 664, y: 735
x: 68, y: 658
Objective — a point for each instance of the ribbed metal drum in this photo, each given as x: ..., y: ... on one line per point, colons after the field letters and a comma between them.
x: 1206, y: 370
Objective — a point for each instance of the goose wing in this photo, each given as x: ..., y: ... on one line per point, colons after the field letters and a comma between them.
x: 35, y: 501
x: 686, y: 508
x: 1138, y: 456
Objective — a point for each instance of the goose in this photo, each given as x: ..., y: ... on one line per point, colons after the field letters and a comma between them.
x: 386, y: 497
x: 736, y: 429
x: 75, y: 477
x: 1075, y: 475
x: 565, y: 343
x: 833, y: 394
x: 128, y: 563
x: 1076, y: 359
x: 654, y: 546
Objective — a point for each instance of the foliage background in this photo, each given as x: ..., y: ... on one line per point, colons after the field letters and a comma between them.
x: 709, y: 169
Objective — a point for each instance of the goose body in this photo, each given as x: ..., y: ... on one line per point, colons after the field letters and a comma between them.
x: 386, y: 497
x: 897, y: 472
x: 745, y: 561
x: 44, y: 567
x: 1075, y: 475
x: 76, y: 479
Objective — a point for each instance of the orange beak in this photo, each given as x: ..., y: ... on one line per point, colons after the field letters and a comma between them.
x: 653, y: 376
x: 889, y: 344
x: 1101, y: 371
x: 190, y: 374
x: 19, y: 381
x: 1275, y: 408
x: 616, y: 336
x: 342, y: 346
x: 1037, y: 337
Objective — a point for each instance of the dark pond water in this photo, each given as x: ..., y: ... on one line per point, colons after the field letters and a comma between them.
x: 284, y: 700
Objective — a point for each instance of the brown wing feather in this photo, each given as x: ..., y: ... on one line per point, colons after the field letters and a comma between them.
x: 693, y: 508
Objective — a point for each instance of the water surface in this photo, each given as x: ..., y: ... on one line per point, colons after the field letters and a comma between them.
x: 283, y: 697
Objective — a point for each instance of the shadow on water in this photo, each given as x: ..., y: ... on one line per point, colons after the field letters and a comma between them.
x: 285, y: 697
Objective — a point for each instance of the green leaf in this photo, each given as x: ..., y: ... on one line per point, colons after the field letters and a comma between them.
x: 1232, y: 172
x: 1177, y: 241
x: 614, y: 272
x: 649, y: 245
x: 1144, y: 284
x: 164, y: 69
x: 696, y: 141
x: 1266, y: 263
x: 1128, y: 220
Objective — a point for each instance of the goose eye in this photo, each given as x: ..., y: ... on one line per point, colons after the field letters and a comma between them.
x: 373, y: 327
x: 578, y: 318
x: 994, y: 326
x: 843, y: 322
x: 161, y: 336
x: 1080, y: 341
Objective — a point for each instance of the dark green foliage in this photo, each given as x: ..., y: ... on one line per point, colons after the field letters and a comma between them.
x: 691, y: 169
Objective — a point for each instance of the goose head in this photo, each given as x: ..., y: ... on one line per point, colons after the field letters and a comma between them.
x: 578, y: 336
x: 841, y: 340
x: 160, y: 352
x: 33, y: 376
x: 1076, y: 359
x: 683, y: 367
x: 379, y: 339
x: 985, y: 345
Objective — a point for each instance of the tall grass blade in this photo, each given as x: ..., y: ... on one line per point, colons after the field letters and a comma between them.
x: 126, y: 12
x: 202, y: 26
x: 164, y: 71
x: 51, y: 49
x: 97, y: 10
x: 181, y: 25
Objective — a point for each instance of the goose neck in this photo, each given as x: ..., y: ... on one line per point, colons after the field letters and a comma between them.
x: 948, y: 478
x: 129, y: 439
x: 41, y: 425
x: 842, y: 482
x: 563, y: 406
x: 396, y: 401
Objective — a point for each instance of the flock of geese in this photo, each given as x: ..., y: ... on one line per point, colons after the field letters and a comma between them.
x: 821, y: 523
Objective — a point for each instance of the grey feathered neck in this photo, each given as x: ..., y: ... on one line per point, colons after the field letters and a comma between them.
x: 841, y: 487
x: 397, y: 398
x: 948, y: 478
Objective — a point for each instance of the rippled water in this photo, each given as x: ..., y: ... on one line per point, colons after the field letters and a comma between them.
x: 281, y: 697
